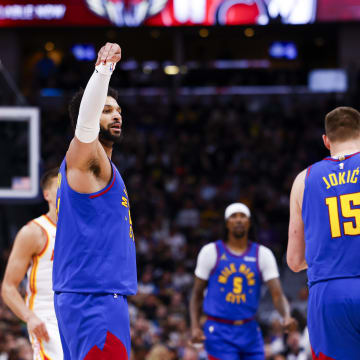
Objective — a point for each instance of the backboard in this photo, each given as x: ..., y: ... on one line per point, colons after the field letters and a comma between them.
x: 19, y: 152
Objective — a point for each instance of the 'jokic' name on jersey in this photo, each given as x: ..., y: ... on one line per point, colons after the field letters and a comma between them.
x: 341, y: 178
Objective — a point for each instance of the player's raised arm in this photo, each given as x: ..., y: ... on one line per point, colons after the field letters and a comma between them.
x: 296, y: 244
x: 28, y: 242
x: 85, y: 148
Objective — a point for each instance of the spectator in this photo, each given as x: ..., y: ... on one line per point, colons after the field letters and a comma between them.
x: 190, y: 354
x: 295, y: 351
x: 181, y: 279
x: 146, y: 285
x: 188, y: 216
x: 159, y: 352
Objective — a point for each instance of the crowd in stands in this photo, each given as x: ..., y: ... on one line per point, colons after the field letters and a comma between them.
x: 183, y: 161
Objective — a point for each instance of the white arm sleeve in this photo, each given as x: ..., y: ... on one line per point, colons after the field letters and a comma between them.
x: 206, y: 261
x: 92, y: 103
x: 267, y: 264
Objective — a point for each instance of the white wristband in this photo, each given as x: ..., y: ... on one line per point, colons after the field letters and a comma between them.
x: 105, y: 69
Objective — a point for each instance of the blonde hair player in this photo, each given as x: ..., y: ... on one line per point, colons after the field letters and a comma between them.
x: 32, y: 253
x: 324, y: 238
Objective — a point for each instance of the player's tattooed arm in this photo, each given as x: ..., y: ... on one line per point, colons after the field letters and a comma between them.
x: 281, y: 304
x: 296, y: 245
x: 196, y: 301
x: 29, y: 241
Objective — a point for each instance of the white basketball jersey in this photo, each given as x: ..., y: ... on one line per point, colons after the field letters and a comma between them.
x: 39, y: 293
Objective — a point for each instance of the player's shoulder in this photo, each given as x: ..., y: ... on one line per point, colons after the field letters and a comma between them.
x: 300, y: 177
x: 208, y: 248
x: 265, y: 252
x: 30, y: 230
x: 267, y: 263
x: 298, y: 186
x: 211, y: 245
x: 316, y: 166
x: 31, y: 235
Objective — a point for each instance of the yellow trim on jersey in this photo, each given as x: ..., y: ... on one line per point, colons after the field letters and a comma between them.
x: 49, y: 220
x: 47, y: 238
x: 43, y: 251
x: 43, y: 354
x: 33, y: 273
x: 32, y: 282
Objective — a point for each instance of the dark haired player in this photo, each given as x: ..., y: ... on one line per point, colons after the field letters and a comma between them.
x: 32, y: 253
x: 324, y: 238
x: 233, y: 271
x: 94, y: 259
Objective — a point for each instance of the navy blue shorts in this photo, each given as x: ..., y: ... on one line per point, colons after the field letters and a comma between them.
x: 93, y: 326
x: 334, y: 319
x: 233, y: 342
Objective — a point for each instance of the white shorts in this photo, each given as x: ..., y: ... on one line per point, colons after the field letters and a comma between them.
x: 51, y: 350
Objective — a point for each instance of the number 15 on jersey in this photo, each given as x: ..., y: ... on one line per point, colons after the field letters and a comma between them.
x: 347, y: 210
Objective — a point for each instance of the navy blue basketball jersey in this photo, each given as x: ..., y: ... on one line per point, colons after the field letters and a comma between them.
x: 331, y: 215
x: 95, y: 246
x: 234, y: 285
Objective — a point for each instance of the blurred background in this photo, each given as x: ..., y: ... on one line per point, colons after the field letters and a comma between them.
x: 223, y: 101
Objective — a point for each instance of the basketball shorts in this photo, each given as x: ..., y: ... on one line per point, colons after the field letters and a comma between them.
x: 233, y: 342
x: 93, y: 326
x: 51, y: 349
x: 334, y: 319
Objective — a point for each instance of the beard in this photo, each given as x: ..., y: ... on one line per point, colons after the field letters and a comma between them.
x: 239, y: 232
x: 106, y: 135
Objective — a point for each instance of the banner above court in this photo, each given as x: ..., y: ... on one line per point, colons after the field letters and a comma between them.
x: 130, y: 13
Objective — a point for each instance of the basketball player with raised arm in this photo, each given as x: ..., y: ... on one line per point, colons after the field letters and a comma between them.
x: 233, y: 272
x: 32, y: 253
x: 324, y: 238
x: 94, y: 258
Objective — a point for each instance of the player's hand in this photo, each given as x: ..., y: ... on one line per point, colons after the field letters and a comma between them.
x: 197, y: 336
x: 290, y: 324
x: 38, y: 328
x: 110, y: 52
